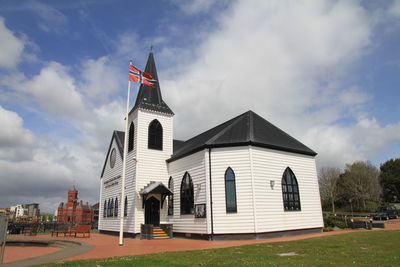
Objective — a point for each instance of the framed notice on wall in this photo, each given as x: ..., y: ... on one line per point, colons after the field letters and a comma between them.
x: 200, y: 210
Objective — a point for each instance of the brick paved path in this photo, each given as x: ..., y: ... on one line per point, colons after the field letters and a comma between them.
x: 107, y: 246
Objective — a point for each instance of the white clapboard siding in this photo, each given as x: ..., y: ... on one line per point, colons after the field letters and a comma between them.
x: 268, y: 214
x: 151, y: 164
x: 269, y: 165
x: 238, y: 159
x: 111, y: 192
x: 114, y: 191
x: 193, y: 164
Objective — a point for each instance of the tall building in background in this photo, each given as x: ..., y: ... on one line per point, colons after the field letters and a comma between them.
x: 74, y: 211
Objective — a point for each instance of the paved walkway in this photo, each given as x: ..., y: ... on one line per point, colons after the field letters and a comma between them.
x: 105, y: 246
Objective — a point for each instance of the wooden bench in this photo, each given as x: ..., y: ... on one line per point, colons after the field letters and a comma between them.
x: 82, y: 229
x: 61, y: 229
x: 31, y: 230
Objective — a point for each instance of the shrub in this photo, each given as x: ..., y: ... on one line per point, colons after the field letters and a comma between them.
x: 335, y: 221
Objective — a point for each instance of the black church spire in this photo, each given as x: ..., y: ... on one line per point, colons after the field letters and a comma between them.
x: 150, y: 97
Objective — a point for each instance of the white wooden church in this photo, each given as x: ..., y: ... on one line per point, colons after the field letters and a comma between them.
x: 243, y: 179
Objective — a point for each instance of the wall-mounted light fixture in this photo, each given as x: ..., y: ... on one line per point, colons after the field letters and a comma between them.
x: 272, y: 183
x: 198, y: 187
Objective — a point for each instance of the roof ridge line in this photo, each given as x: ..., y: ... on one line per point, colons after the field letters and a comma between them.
x: 212, y: 139
x: 251, y: 126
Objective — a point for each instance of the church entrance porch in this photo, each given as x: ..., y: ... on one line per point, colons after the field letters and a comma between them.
x: 152, y: 211
x: 153, y: 199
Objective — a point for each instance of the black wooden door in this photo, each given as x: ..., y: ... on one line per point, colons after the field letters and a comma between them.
x: 152, y: 211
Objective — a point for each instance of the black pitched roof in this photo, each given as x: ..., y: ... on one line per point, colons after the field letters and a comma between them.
x: 245, y: 129
x: 176, y: 145
x: 119, y: 138
x: 150, y: 97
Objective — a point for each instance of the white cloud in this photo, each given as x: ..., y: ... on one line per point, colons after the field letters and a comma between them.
x: 285, y: 61
x: 99, y: 78
x: 11, y: 47
x: 53, y: 89
x: 339, y: 145
x: 12, y: 148
x: 42, y: 168
x: 394, y: 9
x: 194, y: 7
x: 52, y: 19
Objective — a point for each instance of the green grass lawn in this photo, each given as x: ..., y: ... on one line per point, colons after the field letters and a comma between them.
x: 375, y: 248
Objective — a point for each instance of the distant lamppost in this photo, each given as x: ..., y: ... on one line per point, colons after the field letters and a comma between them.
x: 351, y: 207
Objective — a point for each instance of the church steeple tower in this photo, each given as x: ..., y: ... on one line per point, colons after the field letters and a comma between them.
x: 150, y: 97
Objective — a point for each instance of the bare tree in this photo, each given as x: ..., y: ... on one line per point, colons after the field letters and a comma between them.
x: 328, y: 178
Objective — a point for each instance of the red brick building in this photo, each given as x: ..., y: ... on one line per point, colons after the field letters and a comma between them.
x: 74, y: 211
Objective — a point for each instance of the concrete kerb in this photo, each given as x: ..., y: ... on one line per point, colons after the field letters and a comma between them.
x: 68, y: 249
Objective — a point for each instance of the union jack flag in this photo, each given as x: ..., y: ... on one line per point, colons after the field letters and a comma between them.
x: 136, y: 75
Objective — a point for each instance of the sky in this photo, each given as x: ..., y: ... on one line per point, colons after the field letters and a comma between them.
x: 326, y: 72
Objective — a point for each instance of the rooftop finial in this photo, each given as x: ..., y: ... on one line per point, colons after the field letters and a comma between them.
x: 151, y: 48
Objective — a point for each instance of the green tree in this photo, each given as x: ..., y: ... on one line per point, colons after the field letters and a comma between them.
x: 390, y: 180
x: 359, y: 184
x: 328, y: 179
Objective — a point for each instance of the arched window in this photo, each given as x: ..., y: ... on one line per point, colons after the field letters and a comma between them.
x: 108, y: 208
x: 131, y: 137
x: 105, y: 209
x: 187, y: 198
x: 171, y: 198
x: 112, y: 208
x: 126, y: 207
x: 290, y: 191
x: 116, y: 207
x: 230, y: 190
x: 155, y: 135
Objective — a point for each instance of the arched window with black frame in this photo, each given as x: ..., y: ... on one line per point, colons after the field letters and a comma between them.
x: 230, y: 191
x: 126, y: 207
x: 187, y: 196
x: 131, y: 137
x: 155, y: 137
x: 290, y: 191
x: 105, y: 209
x: 108, y: 208
x: 112, y: 208
x: 171, y: 198
x: 116, y: 207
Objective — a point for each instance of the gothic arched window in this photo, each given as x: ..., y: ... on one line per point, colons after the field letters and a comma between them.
x: 171, y: 198
x: 290, y: 191
x: 187, y: 198
x: 155, y: 135
x: 126, y: 207
x: 108, y: 208
x: 112, y: 208
x: 131, y: 137
x: 230, y: 190
x: 105, y: 209
x: 116, y: 207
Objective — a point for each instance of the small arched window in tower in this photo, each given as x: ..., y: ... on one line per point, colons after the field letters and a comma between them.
x: 105, y: 209
x: 290, y: 191
x: 126, y: 207
x: 171, y: 198
x: 187, y: 198
x: 116, y: 207
x: 230, y: 190
x: 131, y: 137
x: 155, y: 140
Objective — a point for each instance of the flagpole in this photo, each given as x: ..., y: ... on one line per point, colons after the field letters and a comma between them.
x: 122, y: 212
